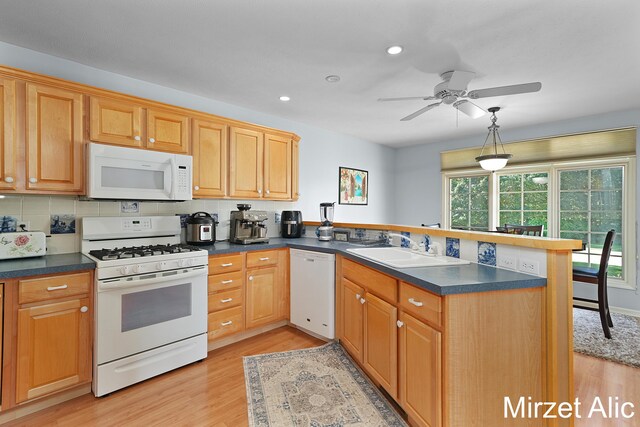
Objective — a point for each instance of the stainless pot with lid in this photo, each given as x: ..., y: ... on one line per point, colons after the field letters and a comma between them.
x: 201, y: 229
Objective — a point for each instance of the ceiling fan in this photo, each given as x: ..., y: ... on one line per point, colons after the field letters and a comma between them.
x: 453, y: 90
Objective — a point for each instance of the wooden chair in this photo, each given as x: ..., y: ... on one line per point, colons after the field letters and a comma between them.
x: 529, y: 230
x: 598, y: 277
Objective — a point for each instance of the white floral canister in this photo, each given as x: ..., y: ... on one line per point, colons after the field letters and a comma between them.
x: 22, y: 244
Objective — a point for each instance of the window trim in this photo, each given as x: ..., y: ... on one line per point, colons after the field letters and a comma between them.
x: 553, y: 215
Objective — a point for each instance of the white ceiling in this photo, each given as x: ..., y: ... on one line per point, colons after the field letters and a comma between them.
x: 249, y: 52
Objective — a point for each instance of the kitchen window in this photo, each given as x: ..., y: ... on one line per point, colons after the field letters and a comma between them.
x: 579, y: 200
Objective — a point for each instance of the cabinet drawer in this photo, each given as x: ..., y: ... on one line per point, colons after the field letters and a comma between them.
x: 225, y: 322
x: 421, y: 303
x: 226, y: 299
x: 47, y: 288
x: 258, y: 259
x: 222, y: 282
x: 377, y: 283
x: 225, y: 263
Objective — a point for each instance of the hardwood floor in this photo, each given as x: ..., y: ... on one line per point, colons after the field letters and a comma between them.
x: 212, y: 393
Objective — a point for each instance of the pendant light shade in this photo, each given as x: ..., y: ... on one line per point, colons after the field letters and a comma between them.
x: 495, y: 160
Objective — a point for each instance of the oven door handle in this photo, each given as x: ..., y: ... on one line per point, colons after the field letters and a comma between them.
x: 124, y: 284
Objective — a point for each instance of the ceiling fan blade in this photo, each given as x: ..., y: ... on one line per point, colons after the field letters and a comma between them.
x: 460, y: 79
x: 469, y: 108
x: 420, y: 111
x: 408, y: 98
x: 505, y: 90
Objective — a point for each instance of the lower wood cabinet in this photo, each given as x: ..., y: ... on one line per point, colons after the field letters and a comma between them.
x: 352, y: 312
x: 381, y: 342
x: 53, y: 344
x: 420, y: 370
x: 262, y: 296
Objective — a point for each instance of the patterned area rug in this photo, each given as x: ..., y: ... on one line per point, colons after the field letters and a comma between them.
x: 315, y: 387
x: 624, y: 345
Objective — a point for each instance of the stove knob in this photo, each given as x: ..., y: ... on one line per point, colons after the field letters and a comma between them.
x: 136, y: 269
x: 124, y: 270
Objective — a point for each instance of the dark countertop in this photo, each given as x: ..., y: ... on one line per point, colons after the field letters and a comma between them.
x: 445, y: 280
x: 442, y: 280
x: 48, y: 264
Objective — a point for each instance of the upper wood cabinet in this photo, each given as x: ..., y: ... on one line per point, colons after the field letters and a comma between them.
x: 8, y: 148
x: 295, y: 169
x: 209, y: 149
x: 277, y: 167
x: 167, y: 131
x: 116, y: 122
x: 246, y: 149
x: 54, y: 151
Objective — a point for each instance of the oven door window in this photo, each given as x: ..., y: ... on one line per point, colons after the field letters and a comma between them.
x: 146, y: 308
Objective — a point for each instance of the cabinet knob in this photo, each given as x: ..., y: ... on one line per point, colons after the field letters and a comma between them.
x: 8, y: 179
x: 137, y: 137
x: 84, y: 309
x: 33, y: 180
x: 259, y: 191
x: 268, y: 192
x: 362, y: 300
x: 400, y: 323
x: 358, y: 296
x: 250, y: 277
x: 152, y: 140
x: 195, y: 187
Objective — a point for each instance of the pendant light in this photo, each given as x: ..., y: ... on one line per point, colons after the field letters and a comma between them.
x: 495, y: 161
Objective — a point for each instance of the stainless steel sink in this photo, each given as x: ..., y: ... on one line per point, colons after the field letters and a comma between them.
x: 405, y: 258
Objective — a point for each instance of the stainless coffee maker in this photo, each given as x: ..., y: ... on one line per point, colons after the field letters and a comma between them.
x: 248, y: 226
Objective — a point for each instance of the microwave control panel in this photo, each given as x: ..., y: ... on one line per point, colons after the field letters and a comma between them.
x: 184, y: 179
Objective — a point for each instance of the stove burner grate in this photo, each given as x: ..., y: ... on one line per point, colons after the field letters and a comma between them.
x: 141, y: 251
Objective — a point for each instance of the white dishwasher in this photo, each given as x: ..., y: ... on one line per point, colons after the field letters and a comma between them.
x: 313, y: 291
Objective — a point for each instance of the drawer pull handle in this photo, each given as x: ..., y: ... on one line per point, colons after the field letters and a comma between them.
x: 416, y: 303
x: 400, y: 323
x: 224, y: 301
x: 84, y: 309
x: 227, y: 323
x: 362, y: 300
x: 226, y: 282
x: 229, y: 264
x: 57, y: 288
x: 266, y: 258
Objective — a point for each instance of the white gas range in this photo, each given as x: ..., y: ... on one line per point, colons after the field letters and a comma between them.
x: 150, y: 298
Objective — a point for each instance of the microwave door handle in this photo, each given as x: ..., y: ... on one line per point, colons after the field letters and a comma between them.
x: 174, y: 178
x: 137, y: 283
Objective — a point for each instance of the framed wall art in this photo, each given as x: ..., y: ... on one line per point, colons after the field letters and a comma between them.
x: 353, y: 187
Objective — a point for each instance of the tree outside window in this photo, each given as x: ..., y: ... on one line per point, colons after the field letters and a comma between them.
x: 469, y: 202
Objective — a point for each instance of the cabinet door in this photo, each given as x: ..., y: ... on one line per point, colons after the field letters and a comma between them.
x: 295, y: 170
x: 352, y: 318
x: 262, y: 296
x: 54, y: 348
x: 7, y: 134
x: 115, y: 122
x: 55, y: 160
x: 167, y: 131
x: 245, y: 163
x: 420, y: 372
x: 209, y: 159
x: 277, y: 167
x: 381, y: 342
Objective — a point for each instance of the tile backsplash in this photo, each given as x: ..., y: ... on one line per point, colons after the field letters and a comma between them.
x: 60, y: 217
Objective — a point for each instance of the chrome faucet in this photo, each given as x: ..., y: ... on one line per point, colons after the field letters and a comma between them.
x: 415, y: 246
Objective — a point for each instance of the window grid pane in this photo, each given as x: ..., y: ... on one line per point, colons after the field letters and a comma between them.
x: 523, y: 199
x: 469, y: 203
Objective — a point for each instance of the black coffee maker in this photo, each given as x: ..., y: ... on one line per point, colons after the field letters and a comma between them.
x: 291, y: 224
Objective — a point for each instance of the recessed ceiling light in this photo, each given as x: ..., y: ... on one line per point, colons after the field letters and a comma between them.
x: 394, y: 50
x: 285, y: 98
x: 332, y: 78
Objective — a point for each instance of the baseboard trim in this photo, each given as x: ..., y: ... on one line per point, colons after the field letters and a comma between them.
x: 619, y: 310
x: 245, y: 334
x: 43, y: 403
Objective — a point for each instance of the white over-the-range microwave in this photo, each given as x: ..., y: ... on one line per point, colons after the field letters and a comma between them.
x: 122, y: 173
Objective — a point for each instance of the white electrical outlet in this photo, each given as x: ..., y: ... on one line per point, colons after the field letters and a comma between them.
x: 508, y: 262
x: 529, y: 266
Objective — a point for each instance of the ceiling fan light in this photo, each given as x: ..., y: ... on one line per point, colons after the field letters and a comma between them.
x: 493, y: 162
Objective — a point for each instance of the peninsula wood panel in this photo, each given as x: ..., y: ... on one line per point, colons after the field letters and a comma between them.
x: 277, y: 167
x: 485, y: 364
x: 167, y: 131
x: 210, y: 158
x: 352, y: 313
x: 245, y: 163
x: 115, y: 122
x: 262, y: 296
x: 8, y: 148
x: 420, y: 351
x: 53, y: 348
x: 55, y: 158
x: 381, y: 342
